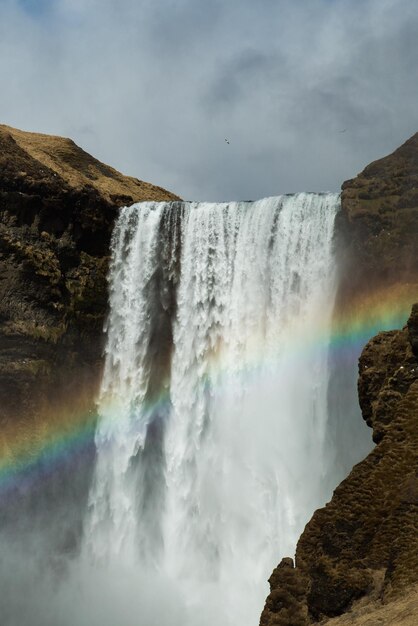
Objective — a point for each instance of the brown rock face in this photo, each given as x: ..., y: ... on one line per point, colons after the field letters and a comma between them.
x: 376, y: 242
x: 286, y: 606
x: 378, y: 225
x: 366, y: 538
x: 57, y: 209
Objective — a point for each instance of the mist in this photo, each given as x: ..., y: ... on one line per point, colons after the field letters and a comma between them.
x: 42, y: 588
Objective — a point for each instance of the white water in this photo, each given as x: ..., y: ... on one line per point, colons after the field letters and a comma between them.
x: 207, y: 474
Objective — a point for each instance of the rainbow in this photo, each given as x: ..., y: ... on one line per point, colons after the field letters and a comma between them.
x: 29, y: 454
x: 380, y: 310
x: 33, y: 453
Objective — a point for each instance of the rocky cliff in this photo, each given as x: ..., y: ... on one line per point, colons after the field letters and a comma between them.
x: 377, y: 228
x: 358, y: 556
x: 57, y: 209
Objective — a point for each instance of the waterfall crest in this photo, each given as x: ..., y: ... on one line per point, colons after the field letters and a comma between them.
x: 213, y: 407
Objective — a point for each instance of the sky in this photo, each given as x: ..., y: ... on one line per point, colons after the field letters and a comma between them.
x: 307, y: 92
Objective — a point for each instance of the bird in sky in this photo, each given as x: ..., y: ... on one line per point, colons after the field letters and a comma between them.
x: 227, y: 141
x: 342, y: 131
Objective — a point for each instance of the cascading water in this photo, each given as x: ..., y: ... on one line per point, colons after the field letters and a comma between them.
x: 213, y: 407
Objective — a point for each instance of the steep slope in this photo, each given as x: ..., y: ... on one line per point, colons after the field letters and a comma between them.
x: 29, y: 158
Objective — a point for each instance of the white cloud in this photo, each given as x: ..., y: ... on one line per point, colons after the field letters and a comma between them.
x: 153, y: 88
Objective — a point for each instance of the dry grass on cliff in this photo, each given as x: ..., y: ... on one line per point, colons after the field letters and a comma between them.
x: 79, y: 169
x: 400, y: 612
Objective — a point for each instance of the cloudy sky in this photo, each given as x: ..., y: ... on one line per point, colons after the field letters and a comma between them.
x: 153, y: 87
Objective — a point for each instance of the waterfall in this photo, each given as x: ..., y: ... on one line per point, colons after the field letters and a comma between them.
x: 211, y: 441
